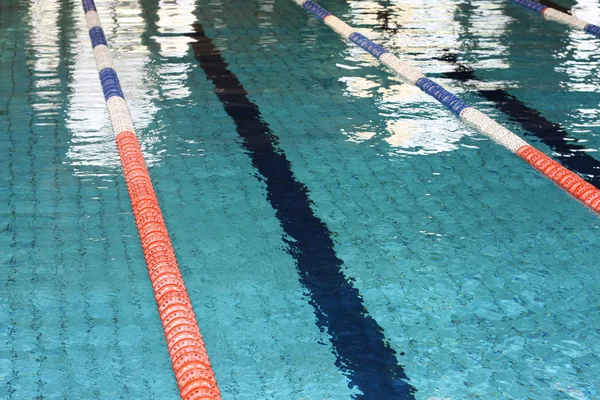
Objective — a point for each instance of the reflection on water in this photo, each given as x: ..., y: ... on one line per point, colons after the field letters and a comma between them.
x: 175, y: 20
x: 414, y: 136
x: 399, y: 27
x: 587, y: 10
x: 92, y: 137
x: 265, y: 12
x: 45, y: 93
x: 359, y: 86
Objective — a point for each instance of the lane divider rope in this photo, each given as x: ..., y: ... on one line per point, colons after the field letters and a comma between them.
x: 566, y: 179
x: 193, y: 372
x: 552, y: 14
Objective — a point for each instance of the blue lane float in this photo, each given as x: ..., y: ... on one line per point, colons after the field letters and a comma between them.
x: 593, y: 29
x: 88, y: 5
x: 316, y: 10
x: 110, y: 83
x: 532, y: 5
x: 97, y: 36
x: 373, y: 48
x: 449, y: 100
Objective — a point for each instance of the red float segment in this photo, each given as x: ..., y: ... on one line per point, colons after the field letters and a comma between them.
x: 569, y: 181
x: 189, y: 359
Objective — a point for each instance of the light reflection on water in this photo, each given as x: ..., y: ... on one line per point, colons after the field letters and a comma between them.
x: 175, y: 20
x: 416, y: 32
x: 46, y: 86
x: 93, y: 146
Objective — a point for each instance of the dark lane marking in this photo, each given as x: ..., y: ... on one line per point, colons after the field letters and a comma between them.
x: 361, y: 350
x: 567, y: 151
x: 551, y: 4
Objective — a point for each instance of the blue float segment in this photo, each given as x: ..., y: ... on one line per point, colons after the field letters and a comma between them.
x: 452, y: 102
x: 110, y: 83
x: 370, y: 46
x: 97, y: 36
x: 532, y: 5
x: 316, y: 9
x: 593, y: 29
x: 88, y: 5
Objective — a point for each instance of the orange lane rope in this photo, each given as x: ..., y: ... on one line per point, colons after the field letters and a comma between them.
x: 193, y: 372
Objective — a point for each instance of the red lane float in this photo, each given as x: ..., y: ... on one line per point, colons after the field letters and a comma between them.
x: 193, y: 372
x: 191, y: 365
x: 569, y: 181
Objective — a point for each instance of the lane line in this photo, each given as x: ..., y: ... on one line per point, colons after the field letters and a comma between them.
x: 553, y: 14
x: 190, y: 362
x: 566, y: 179
x: 567, y: 151
x: 360, y: 347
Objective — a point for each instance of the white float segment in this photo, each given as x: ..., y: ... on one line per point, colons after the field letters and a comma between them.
x: 339, y: 26
x: 405, y: 71
x: 92, y: 19
x: 300, y: 2
x: 555, y: 15
x: 119, y: 115
x: 492, y: 129
x: 103, y: 57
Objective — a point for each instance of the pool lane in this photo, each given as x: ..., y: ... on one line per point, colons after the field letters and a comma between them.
x: 358, y: 341
x: 449, y: 252
x: 78, y: 315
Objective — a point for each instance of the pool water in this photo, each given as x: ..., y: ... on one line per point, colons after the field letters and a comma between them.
x: 341, y: 235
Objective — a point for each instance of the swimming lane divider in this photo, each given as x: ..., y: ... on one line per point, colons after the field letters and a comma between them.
x: 566, y: 149
x: 566, y: 179
x: 552, y: 14
x: 193, y: 372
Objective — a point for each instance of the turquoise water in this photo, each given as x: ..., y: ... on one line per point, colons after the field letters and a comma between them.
x: 481, y: 273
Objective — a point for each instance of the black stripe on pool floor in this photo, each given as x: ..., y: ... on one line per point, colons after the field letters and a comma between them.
x: 566, y: 150
x: 359, y: 345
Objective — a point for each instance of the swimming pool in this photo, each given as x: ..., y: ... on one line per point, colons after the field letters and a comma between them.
x: 337, y: 229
